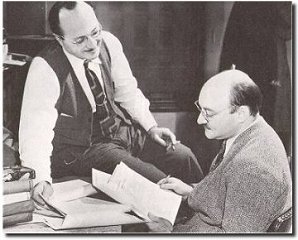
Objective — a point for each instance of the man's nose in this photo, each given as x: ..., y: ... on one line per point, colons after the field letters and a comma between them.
x: 91, y: 42
x: 201, y: 120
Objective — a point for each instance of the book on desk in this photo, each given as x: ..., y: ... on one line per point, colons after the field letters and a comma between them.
x: 18, y: 206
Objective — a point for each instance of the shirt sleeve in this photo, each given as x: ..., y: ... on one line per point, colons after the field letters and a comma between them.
x: 38, y: 118
x: 127, y: 92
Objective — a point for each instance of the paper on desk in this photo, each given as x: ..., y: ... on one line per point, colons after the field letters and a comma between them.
x: 73, y: 209
x: 70, y: 190
x: 91, y: 212
x: 130, y: 188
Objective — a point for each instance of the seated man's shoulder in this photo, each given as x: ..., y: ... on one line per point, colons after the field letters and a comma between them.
x: 267, y: 164
x: 263, y: 145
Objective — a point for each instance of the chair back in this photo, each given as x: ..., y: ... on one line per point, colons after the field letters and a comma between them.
x: 282, y: 223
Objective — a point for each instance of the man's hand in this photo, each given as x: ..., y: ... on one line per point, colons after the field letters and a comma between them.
x: 175, y: 185
x: 42, y: 188
x: 159, y: 224
x: 162, y: 136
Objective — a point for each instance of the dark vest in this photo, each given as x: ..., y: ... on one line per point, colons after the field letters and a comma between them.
x: 76, y: 128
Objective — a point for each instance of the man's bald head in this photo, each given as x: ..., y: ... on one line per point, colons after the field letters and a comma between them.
x: 235, y: 88
x: 54, y: 14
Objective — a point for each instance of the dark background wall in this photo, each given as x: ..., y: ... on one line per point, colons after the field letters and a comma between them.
x: 162, y: 41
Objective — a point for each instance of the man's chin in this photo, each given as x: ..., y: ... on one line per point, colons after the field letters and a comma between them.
x: 208, y: 134
x: 92, y: 55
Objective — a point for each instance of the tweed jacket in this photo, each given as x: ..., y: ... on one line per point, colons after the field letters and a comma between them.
x: 250, y: 187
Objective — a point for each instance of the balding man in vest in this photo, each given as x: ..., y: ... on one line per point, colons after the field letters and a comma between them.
x: 82, y: 109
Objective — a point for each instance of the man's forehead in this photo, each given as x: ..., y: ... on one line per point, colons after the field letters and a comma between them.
x: 214, y: 96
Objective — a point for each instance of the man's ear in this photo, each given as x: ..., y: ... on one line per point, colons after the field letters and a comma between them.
x: 243, y: 113
x: 58, y: 38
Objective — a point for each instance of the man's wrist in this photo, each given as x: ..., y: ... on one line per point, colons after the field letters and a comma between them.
x: 151, y: 131
x: 188, y: 192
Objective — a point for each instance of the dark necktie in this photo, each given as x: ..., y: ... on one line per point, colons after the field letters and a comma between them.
x: 95, y: 85
x: 219, y: 156
x: 103, y: 115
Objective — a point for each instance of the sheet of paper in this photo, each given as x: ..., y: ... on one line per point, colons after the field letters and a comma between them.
x: 70, y: 190
x: 101, y: 180
x: 72, y: 208
x: 91, y: 212
x: 130, y: 188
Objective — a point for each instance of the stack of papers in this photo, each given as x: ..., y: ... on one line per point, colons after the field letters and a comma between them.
x: 70, y: 207
x: 132, y: 189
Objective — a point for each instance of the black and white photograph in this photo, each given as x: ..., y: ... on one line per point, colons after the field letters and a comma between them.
x: 147, y: 118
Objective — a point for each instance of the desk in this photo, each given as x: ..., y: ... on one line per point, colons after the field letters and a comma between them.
x: 42, y: 228
x: 36, y: 227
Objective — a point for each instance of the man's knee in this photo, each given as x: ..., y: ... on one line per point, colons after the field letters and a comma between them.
x: 188, y: 163
x: 182, y: 152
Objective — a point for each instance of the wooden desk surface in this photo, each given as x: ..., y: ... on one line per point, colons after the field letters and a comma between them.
x: 41, y: 228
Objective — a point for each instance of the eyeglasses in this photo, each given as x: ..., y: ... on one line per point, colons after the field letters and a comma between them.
x: 82, y: 40
x: 206, y: 115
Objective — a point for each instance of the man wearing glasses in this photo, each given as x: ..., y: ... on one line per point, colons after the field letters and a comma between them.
x: 82, y: 109
x: 249, y: 183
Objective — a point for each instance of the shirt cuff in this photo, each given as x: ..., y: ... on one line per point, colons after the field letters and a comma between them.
x: 149, y: 124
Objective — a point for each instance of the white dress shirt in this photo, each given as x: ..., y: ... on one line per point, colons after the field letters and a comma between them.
x: 42, y: 89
